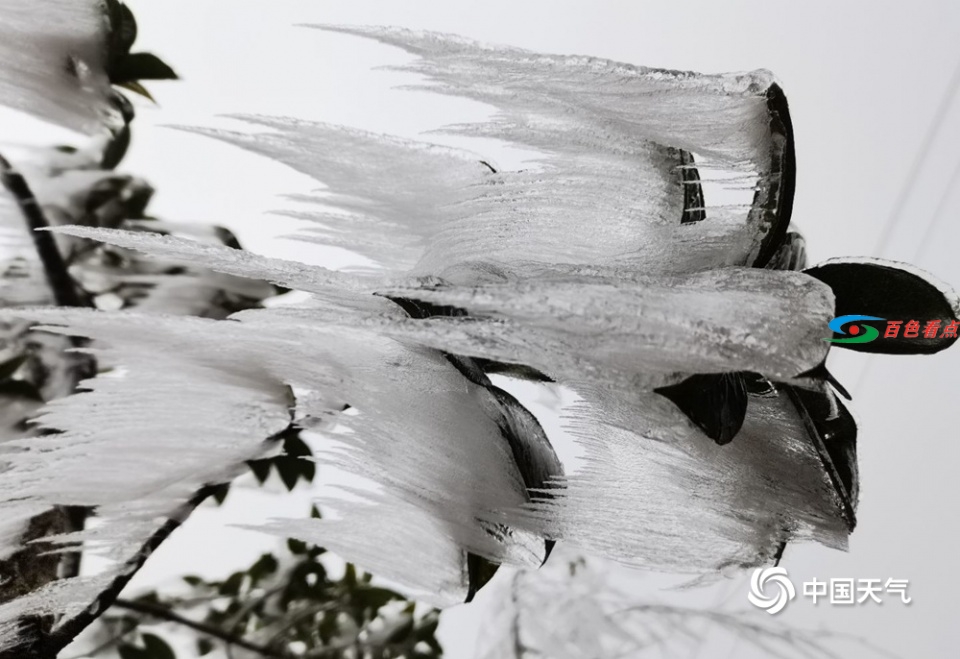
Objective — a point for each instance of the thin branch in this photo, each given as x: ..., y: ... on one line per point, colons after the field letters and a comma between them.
x: 50, y: 646
x: 65, y: 294
x: 61, y: 283
x: 163, y: 613
x: 519, y: 649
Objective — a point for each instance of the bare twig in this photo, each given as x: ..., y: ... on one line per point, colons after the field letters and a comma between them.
x: 163, y: 613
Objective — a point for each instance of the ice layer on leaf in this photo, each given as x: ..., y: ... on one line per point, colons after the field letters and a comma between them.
x: 53, y: 56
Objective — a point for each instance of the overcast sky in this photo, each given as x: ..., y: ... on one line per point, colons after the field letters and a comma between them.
x: 864, y: 80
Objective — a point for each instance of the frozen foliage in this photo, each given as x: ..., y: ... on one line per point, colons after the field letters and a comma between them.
x: 399, y: 202
x: 745, y: 320
x: 711, y: 436
x: 195, y: 397
x: 22, y: 281
x: 580, y: 606
x: 52, y: 53
x: 138, y: 473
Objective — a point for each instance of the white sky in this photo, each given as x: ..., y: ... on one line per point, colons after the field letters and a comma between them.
x: 864, y: 80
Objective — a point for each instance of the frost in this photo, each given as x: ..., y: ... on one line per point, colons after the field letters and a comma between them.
x: 292, y: 274
x: 636, y: 331
x: 643, y: 302
x: 52, y: 53
x: 652, y: 485
x: 131, y: 446
x: 601, y: 267
x: 22, y: 280
x: 192, y: 399
x: 610, y: 135
x: 388, y: 196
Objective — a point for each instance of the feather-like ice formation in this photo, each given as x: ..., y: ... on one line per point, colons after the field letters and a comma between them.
x: 53, y: 55
x: 179, y: 413
x: 639, y: 331
x: 604, y: 267
x: 22, y: 280
x: 651, y: 483
x: 611, y: 136
x: 388, y: 196
x: 191, y: 399
x: 612, y: 316
x: 292, y: 274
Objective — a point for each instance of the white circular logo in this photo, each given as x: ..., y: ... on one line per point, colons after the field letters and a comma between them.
x: 777, y: 578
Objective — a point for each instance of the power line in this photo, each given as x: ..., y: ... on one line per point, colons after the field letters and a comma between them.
x: 910, y: 183
x: 914, y: 174
x: 921, y: 250
x: 937, y: 214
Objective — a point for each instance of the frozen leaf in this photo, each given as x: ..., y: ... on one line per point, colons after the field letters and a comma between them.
x: 890, y: 291
x: 52, y: 53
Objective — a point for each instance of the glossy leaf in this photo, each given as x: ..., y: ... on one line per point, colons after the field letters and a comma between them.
x: 715, y: 402
x: 892, y: 291
x: 141, y: 66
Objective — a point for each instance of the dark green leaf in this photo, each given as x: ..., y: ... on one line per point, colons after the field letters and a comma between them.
x: 693, y: 202
x: 296, y: 546
x: 427, y: 630
x: 289, y: 471
x: 128, y: 651
x: 204, y: 646
x: 328, y: 626
x: 350, y: 575
x: 126, y: 29
x: 373, y: 598
x: 265, y: 566
x: 715, y: 402
x: 232, y: 585
x: 774, y: 198
x: 156, y: 648
x: 141, y: 66
x: 887, y: 291
x: 833, y: 431
x: 20, y: 389
x: 260, y: 469
x: 295, y: 464
x: 220, y: 493
x: 116, y: 149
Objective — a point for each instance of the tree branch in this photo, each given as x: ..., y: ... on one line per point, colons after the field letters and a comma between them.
x: 65, y: 293
x: 49, y: 646
x: 64, y: 289
x: 163, y: 613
